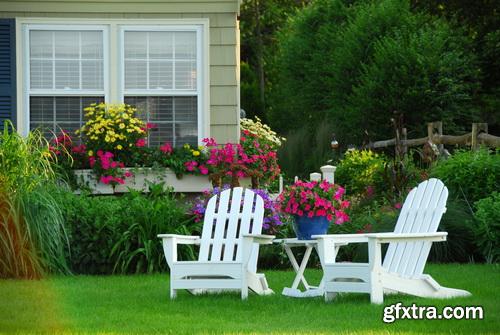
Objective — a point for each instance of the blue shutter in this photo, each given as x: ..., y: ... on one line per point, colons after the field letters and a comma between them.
x: 7, y: 71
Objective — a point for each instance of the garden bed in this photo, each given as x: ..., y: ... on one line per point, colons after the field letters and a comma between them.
x: 143, y: 177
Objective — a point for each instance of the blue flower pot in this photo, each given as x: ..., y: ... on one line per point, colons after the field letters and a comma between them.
x: 305, y: 226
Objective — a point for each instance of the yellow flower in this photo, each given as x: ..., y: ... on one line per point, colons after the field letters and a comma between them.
x: 196, y: 153
x: 187, y: 146
x: 119, y: 147
x: 91, y: 153
x: 107, y: 139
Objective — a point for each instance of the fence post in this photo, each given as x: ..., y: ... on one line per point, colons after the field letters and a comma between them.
x: 315, y: 176
x: 328, y: 173
x: 477, y: 128
x: 404, y: 138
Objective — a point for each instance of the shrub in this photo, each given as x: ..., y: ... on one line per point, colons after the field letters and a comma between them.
x: 361, y: 171
x: 459, y: 245
x: 117, y: 234
x: 487, y: 228
x: 306, y: 150
x: 473, y: 175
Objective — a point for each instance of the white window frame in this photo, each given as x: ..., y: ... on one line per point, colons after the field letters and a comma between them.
x: 112, y: 80
x: 198, y: 93
x: 29, y: 92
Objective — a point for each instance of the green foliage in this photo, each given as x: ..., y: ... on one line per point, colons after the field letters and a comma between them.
x: 353, y: 65
x: 118, y: 234
x: 32, y: 236
x: 487, y: 229
x: 306, y: 150
x: 473, y: 175
x: 459, y: 245
x: 360, y: 169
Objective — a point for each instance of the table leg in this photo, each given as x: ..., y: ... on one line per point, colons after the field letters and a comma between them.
x: 300, y: 273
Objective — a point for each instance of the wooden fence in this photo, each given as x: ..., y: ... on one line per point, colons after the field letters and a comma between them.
x: 477, y: 137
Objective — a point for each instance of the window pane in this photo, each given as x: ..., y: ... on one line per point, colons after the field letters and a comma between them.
x: 160, y: 74
x: 67, y: 44
x: 185, y: 45
x: 66, y: 59
x: 41, y: 44
x: 55, y: 113
x: 92, y: 45
x: 185, y: 75
x: 161, y: 45
x: 41, y: 74
x: 176, y: 118
x: 67, y: 74
x: 92, y: 74
x: 159, y: 60
x: 135, y: 45
x: 136, y: 74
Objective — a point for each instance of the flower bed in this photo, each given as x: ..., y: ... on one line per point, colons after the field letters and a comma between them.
x: 114, y: 140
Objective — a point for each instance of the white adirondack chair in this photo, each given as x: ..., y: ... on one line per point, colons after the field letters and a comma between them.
x: 229, y: 247
x: 404, y: 262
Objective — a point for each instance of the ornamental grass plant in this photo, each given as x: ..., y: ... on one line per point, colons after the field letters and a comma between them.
x: 32, y: 236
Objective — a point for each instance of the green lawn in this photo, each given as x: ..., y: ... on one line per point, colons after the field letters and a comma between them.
x: 140, y: 304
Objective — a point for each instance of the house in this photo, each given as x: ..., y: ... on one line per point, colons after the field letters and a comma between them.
x: 176, y: 60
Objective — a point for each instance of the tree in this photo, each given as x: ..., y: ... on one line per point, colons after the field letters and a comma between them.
x: 353, y: 64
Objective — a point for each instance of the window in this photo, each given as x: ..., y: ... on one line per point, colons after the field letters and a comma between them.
x: 156, y: 68
x: 161, y: 79
x: 66, y: 73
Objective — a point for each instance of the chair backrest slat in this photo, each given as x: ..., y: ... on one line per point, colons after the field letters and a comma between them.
x: 232, y: 213
x: 421, y: 213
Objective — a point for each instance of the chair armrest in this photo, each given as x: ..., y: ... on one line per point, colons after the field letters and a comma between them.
x: 342, y: 238
x: 170, y: 242
x: 407, y: 237
x: 180, y: 239
x: 260, y: 238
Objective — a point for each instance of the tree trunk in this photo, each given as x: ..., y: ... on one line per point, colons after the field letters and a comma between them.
x: 259, y: 54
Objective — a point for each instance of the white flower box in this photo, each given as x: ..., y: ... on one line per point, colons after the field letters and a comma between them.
x: 142, y: 176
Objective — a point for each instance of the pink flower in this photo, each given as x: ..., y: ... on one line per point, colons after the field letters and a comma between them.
x: 203, y: 169
x: 140, y: 143
x: 150, y: 125
x: 345, y: 204
x: 114, y: 164
x: 341, y: 217
x: 166, y: 148
x: 209, y: 142
x: 191, y: 165
x: 119, y: 180
x: 398, y: 205
x: 106, y: 179
x: 91, y: 161
x: 339, y: 193
x: 128, y: 174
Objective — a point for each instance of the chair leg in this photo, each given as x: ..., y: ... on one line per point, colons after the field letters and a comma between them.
x: 244, y: 292
x: 377, y: 294
x: 329, y: 296
x: 173, y: 293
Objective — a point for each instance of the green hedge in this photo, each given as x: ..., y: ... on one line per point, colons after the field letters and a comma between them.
x: 117, y: 234
x: 472, y: 175
x: 487, y: 228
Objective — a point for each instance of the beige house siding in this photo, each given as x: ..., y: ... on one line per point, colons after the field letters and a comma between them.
x: 223, y: 33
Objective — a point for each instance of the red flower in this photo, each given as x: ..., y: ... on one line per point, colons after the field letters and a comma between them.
x: 140, y: 143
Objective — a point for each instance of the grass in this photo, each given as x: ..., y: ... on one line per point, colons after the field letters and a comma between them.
x: 140, y: 304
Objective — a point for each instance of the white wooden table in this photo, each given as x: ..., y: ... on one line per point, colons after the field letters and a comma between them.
x: 309, y: 291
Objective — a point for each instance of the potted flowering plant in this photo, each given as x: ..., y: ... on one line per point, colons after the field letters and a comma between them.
x: 313, y: 205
